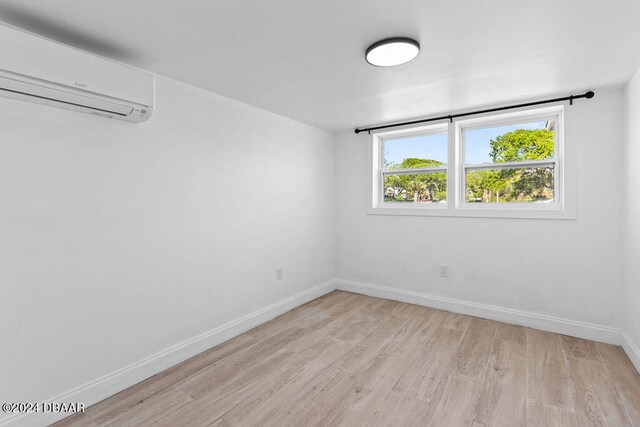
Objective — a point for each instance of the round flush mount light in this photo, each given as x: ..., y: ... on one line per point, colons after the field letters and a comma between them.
x: 392, y: 51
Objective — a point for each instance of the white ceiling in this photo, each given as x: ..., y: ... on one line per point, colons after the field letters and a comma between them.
x: 304, y: 59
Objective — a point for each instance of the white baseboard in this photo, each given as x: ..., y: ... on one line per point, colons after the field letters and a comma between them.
x: 632, y: 350
x: 115, y: 382
x: 532, y: 320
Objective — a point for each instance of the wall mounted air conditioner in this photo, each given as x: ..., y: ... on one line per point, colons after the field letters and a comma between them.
x: 39, y: 70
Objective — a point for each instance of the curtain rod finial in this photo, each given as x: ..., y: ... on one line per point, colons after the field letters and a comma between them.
x: 589, y: 94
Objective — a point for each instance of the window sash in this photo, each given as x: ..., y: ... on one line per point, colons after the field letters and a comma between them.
x: 403, y: 134
x: 417, y: 171
x: 421, y: 171
x: 512, y: 165
x: 555, y: 162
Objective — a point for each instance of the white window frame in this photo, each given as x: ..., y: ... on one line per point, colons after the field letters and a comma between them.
x: 563, y: 206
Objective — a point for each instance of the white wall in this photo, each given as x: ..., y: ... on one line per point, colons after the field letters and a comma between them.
x: 569, y: 269
x: 118, y: 241
x: 631, y: 223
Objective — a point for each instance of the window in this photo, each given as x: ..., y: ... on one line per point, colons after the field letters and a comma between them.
x: 507, y: 165
x: 510, y: 162
x: 414, y: 167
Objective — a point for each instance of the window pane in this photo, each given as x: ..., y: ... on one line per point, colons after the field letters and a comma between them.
x: 510, y: 143
x: 418, y: 188
x: 520, y: 185
x: 418, y: 151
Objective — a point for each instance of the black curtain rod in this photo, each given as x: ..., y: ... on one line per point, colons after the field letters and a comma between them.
x: 570, y: 98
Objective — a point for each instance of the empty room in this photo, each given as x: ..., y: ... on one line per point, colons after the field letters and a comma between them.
x: 319, y: 213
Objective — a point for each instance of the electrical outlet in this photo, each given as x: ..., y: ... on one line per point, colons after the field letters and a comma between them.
x: 444, y: 270
x: 280, y: 273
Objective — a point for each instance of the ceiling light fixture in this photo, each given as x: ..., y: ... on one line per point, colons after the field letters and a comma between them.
x: 392, y: 51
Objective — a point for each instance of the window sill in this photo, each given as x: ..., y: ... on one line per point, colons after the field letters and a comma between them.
x: 443, y: 210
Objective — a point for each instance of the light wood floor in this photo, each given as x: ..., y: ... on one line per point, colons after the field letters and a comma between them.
x: 347, y: 359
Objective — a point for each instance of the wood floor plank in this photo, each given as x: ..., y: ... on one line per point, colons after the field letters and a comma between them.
x: 352, y: 328
x: 543, y: 415
x: 260, y: 356
x: 429, y: 366
x: 512, y: 333
x: 470, y: 361
x: 227, y: 377
x: 454, y: 404
x: 579, y: 348
x: 415, y: 331
x: 150, y: 411
x: 329, y: 300
x: 321, y: 398
x: 626, y: 379
x: 102, y: 411
x: 412, y: 311
x: 77, y: 420
x: 310, y: 406
x: 399, y: 410
x: 297, y: 317
x: 247, y: 396
x: 595, y: 396
x: 456, y: 321
x: 503, y: 396
x: 547, y: 375
x: 219, y: 398
x: 205, y: 411
x: 407, y: 335
x: 365, y: 353
x: 335, y: 306
x: 263, y: 404
x: 370, y: 389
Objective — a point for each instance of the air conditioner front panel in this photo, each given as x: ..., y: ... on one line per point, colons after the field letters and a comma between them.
x: 39, y: 70
x: 26, y: 54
